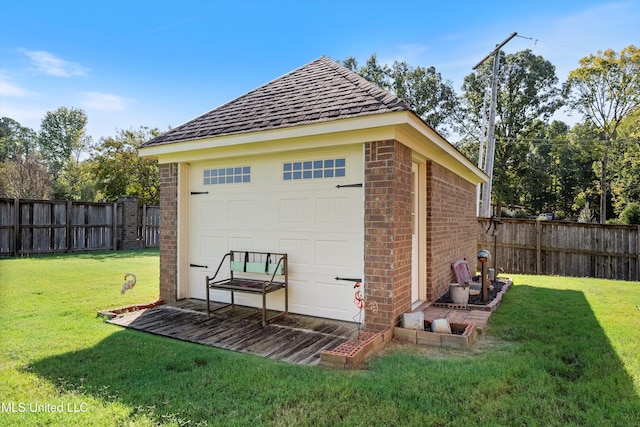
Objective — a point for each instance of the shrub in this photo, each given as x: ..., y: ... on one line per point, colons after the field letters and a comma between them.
x: 631, y: 214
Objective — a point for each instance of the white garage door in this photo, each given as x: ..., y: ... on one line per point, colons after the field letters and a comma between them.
x: 290, y: 204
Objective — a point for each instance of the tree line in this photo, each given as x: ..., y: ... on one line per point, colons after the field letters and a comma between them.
x: 588, y: 171
x: 61, y: 162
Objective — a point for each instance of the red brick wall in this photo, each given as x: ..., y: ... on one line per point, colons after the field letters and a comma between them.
x: 387, y: 251
x: 451, y: 226
x: 168, y: 231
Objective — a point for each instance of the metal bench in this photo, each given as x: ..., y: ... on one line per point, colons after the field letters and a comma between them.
x: 252, y: 272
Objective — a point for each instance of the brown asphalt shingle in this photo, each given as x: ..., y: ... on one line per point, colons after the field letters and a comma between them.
x: 319, y: 91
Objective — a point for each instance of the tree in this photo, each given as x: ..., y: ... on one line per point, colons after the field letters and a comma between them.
x: 605, y: 88
x: 624, y: 169
x: 527, y: 97
x: 76, y: 182
x: 578, y: 173
x: 376, y: 73
x: 25, y: 177
x: 350, y: 63
x: 62, y: 138
x: 422, y: 89
x: 15, y: 139
x: 537, y: 185
x: 22, y: 172
x: 120, y: 171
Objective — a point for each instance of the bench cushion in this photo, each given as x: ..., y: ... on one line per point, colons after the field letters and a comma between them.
x: 255, y: 267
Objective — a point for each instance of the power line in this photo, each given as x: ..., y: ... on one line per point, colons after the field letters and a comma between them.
x: 555, y: 44
x: 559, y: 142
x: 564, y: 140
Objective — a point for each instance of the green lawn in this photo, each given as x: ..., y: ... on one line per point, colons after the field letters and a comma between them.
x: 559, y: 351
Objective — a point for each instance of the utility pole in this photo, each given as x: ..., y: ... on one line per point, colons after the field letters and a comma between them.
x: 481, y: 153
x: 491, y: 132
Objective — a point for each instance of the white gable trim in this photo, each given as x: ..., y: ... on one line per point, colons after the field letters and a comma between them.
x: 403, y: 126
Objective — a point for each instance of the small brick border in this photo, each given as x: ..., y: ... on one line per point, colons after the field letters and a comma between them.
x: 492, y: 306
x: 417, y: 337
x: 350, y: 354
x: 114, y: 312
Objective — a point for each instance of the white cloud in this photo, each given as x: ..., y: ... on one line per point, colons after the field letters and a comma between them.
x: 51, y: 65
x: 569, y: 38
x: 10, y: 89
x: 104, y: 101
x: 28, y: 116
x: 409, y: 53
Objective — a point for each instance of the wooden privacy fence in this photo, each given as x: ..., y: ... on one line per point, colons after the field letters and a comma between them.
x: 50, y: 226
x: 563, y: 248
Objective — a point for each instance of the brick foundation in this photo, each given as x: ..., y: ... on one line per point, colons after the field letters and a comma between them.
x: 168, y: 231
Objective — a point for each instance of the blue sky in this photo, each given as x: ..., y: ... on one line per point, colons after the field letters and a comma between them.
x: 161, y: 63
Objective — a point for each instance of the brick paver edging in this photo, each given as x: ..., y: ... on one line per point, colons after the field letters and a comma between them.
x: 352, y: 353
x: 426, y: 337
x: 492, y: 306
x: 113, y: 312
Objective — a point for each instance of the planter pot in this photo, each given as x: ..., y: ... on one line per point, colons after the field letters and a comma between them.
x: 459, y: 293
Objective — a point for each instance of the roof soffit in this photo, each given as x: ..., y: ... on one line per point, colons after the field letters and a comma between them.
x: 403, y: 126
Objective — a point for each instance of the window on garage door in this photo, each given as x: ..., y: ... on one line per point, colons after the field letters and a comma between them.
x: 314, y: 169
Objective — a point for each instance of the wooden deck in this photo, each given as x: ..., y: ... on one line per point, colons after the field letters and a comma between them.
x: 294, y: 339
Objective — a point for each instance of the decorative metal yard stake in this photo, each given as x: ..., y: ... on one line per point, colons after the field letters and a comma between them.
x: 128, y: 284
x: 359, y: 301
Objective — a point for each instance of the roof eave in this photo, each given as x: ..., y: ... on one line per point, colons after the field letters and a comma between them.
x: 404, y: 126
x: 440, y: 150
x: 373, y: 123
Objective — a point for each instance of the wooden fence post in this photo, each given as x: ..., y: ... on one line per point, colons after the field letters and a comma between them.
x: 144, y: 225
x: 68, y: 228
x: 538, y: 247
x: 16, y: 226
x: 638, y: 254
x: 114, y: 225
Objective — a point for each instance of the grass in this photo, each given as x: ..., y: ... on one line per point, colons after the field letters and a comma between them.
x: 559, y: 351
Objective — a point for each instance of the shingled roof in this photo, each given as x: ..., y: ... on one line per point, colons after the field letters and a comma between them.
x: 319, y: 91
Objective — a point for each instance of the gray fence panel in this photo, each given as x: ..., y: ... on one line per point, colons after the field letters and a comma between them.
x: 563, y: 248
x: 46, y: 226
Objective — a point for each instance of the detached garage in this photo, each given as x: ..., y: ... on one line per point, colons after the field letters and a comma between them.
x: 330, y: 169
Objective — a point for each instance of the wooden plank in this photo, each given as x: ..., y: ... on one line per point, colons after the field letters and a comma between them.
x: 68, y: 226
x: 638, y: 253
x: 16, y: 223
x: 538, y: 247
x: 298, y: 339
